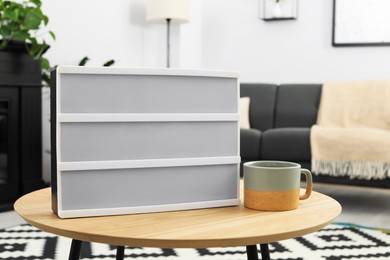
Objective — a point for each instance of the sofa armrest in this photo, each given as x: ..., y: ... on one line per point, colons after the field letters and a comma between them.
x: 250, y: 140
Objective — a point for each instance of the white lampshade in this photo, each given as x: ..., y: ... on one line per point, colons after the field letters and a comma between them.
x: 160, y: 10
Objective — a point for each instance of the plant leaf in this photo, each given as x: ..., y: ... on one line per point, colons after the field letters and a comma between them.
x: 11, y: 14
x: 45, y: 19
x: 45, y: 78
x: 20, y: 36
x: 33, y: 19
x: 35, y: 50
x: 109, y: 63
x: 45, y: 65
x: 3, y: 44
x: 5, y: 32
x: 52, y: 35
x: 83, y: 61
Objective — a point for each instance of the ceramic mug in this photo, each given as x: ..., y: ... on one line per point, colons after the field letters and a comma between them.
x: 274, y: 185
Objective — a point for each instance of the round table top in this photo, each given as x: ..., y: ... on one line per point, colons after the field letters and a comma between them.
x: 212, y: 227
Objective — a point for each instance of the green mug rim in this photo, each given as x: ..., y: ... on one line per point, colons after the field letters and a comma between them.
x: 292, y: 165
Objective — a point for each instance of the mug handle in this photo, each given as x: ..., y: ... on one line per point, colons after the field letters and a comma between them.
x: 309, y: 184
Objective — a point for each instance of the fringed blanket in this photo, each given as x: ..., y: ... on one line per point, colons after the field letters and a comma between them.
x: 352, y: 135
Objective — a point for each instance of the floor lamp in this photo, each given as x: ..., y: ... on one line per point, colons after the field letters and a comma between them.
x: 176, y: 11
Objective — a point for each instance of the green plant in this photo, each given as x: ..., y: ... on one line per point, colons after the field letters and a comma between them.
x: 84, y: 61
x: 22, y: 21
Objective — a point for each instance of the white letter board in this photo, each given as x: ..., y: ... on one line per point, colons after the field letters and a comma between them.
x: 128, y: 140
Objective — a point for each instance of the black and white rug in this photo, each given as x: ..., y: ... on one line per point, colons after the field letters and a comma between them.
x: 335, y: 242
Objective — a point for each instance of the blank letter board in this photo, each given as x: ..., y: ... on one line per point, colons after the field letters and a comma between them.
x: 127, y: 140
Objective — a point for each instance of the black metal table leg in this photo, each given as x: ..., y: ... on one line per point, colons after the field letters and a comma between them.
x: 251, y: 252
x: 75, y: 250
x: 120, y: 252
x: 264, y: 252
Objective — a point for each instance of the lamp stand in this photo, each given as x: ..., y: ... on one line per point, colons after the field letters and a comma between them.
x: 168, y: 41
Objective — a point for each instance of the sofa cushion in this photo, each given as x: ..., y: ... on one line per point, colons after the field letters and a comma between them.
x: 244, y: 112
x: 297, y: 105
x: 250, y: 144
x: 287, y: 144
x: 262, y: 104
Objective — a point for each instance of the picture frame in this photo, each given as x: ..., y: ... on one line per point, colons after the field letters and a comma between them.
x: 361, y: 23
x: 273, y: 10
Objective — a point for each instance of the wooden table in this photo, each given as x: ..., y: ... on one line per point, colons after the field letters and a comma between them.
x: 202, y: 228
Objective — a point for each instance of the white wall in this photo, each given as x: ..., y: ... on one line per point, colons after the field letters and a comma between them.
x: 105, y: 30
x: 99, y: 29
x: 222, y: 34
x: 284, y: 51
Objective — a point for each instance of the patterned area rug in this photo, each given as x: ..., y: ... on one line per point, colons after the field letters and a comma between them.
x: 335, y: 242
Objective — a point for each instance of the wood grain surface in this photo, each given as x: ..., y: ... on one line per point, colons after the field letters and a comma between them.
x: 213, y: 227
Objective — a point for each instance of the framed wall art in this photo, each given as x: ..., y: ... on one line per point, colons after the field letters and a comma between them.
x: 274, y: 10
x: 361, y: 23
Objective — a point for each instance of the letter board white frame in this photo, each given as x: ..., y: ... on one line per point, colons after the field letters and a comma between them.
x: 137, y: 140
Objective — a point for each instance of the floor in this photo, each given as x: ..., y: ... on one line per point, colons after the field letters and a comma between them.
x: 361, y: 206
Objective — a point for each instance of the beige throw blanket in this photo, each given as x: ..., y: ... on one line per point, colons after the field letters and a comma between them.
x: 352, y: 134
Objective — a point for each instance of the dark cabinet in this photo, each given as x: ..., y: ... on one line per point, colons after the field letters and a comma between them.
x: 20, y: 126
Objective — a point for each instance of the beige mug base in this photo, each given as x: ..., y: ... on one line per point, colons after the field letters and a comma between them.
x: 271, y: 200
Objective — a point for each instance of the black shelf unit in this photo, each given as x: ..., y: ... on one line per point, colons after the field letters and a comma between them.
x: 20, y: 125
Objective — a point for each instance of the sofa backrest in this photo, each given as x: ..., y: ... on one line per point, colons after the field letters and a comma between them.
x: 297, y: 105
x: 262, y: 104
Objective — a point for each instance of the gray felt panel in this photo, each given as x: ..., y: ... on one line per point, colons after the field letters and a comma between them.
x: 147, y: 140
x: 147, y: 94
x: 148, y: 186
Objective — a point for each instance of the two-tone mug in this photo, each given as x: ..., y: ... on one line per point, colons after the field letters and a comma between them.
x: 274, y: 185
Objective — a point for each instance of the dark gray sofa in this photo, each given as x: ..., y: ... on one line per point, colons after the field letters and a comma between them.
x: 280, y: 118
